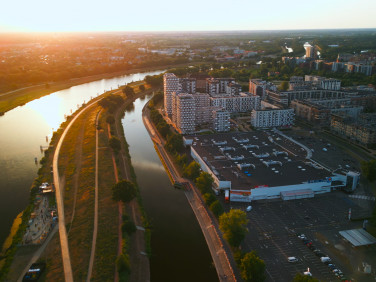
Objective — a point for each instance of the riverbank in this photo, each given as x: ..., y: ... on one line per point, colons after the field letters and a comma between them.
x: 220, y: 254
x: 76, y: 162
x: 15, y: 98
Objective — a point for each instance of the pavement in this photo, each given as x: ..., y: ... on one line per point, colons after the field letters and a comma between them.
x: 272, y: 233
x: 68, y: 274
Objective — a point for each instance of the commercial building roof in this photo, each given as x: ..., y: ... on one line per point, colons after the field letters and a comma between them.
x: 358, y: 237
x: 256, y: 159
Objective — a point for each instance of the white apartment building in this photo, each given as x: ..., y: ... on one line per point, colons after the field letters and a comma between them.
x: 272, y: 118
x: 221, y: 120
x: 185, y: 113
x: 170, y: 84
x: 188, y: 85
x: 233, y: 89
x: 212, y: 86
x: 202, y: 100
x: 242, y: 103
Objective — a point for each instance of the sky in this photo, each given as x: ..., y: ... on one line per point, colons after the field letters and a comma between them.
x: 192, y: 15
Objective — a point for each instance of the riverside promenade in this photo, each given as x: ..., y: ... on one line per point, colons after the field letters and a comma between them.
x: 218, y: 248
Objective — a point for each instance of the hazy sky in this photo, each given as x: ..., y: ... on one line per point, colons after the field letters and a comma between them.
x: 165, y: 15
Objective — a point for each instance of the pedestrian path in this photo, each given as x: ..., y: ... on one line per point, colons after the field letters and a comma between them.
x: 363, y: 197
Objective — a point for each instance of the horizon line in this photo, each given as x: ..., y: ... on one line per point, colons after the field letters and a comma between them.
x: 191, y: 31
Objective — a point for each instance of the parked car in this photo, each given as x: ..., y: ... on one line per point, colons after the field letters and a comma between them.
x: 292, y: 259
x: 34, y: 272
x: 325, y: 259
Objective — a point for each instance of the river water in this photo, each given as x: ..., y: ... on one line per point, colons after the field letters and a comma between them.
x: 24, y: 129
x: 179, y: 250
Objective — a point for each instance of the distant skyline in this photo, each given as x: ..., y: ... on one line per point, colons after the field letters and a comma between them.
x: 193, y: 15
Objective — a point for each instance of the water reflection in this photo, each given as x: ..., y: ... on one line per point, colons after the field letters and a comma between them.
x: 179, y: 250
x: 24, y: 129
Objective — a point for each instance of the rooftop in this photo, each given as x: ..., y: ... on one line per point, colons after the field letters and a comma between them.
x: 254, y: 159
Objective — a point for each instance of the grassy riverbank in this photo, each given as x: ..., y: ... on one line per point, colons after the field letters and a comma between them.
x: 22, y: 96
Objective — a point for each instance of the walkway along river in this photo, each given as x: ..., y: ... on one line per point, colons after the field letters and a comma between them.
x: 24, y: 129
x: 179, y: 250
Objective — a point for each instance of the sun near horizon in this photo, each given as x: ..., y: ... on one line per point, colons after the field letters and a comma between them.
x: 195, y: 15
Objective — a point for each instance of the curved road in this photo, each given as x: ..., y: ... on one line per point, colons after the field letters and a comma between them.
x: 68, y: 274
x: 95, y: 231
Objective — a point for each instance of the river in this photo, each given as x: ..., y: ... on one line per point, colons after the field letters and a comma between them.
x: 179, y: 249
x: 24, y: 129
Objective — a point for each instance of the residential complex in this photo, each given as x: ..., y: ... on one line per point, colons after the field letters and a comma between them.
x: 360, y: 129
x: 212, y: 107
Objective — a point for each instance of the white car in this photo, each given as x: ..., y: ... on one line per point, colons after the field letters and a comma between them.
x: 249, y: 208
x: 292, y: 259
x: 307, y: 273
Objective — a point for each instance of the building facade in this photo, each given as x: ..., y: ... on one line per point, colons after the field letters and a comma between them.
x: 170, y: 84
x: 272, y: 118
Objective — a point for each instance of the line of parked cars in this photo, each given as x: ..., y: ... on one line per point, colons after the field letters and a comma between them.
x: 323, y: 258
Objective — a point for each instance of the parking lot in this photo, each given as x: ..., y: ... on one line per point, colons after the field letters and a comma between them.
x: 272, y: 233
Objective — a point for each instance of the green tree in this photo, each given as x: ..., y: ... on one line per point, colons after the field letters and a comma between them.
x: 141, y: 87
x: 123, y: 263
x: 234, y: 226
x: 284, y: 86
x: 204, y: 182
x: 110, y: 119
x: 304, y: 278
x: 128, y: 91
x: 115, y: 144
x: 216, y: 208
x: 124, y: 191
x: 369, y: 170
x: 129, y: 227
x: 209, y: 198
x: 192, y: 171
x: 174, y: 143
x: 252, y: 268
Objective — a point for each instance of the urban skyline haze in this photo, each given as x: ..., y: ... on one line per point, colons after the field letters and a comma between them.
x: 194, y: 15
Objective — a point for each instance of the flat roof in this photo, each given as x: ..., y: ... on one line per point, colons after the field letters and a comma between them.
x: 258, y: 158
x: 358, y: 237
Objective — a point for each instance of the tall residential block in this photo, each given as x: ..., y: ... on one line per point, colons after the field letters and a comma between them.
x: 185, y: 113
x: 170, y: 84
x: 221, y: 120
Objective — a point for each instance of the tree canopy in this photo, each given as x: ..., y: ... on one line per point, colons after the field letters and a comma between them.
x: 124, y: 191
x: 128, y: 91
x: 369, y: 170
x: 204, y: 182
x: 192, y: 171
x: 234, y: 226
x: 304, y: 278
x: 252, y: 267
x: 111, y: 102
x: 115, y: 144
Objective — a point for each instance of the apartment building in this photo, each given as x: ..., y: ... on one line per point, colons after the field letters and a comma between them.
x: 362, y: 130
x: 241, y: 103
x: 233, y: 89
x: 170, y: 84
x: 272, y: 118
x: 185, y: 113
x: 188, y: 85
x: 221, y: 120
x: 315, y: 112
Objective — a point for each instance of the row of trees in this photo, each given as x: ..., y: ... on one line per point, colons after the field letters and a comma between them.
x: 111, y: 102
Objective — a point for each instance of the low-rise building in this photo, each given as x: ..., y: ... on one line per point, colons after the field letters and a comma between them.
x: 361, y: 129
